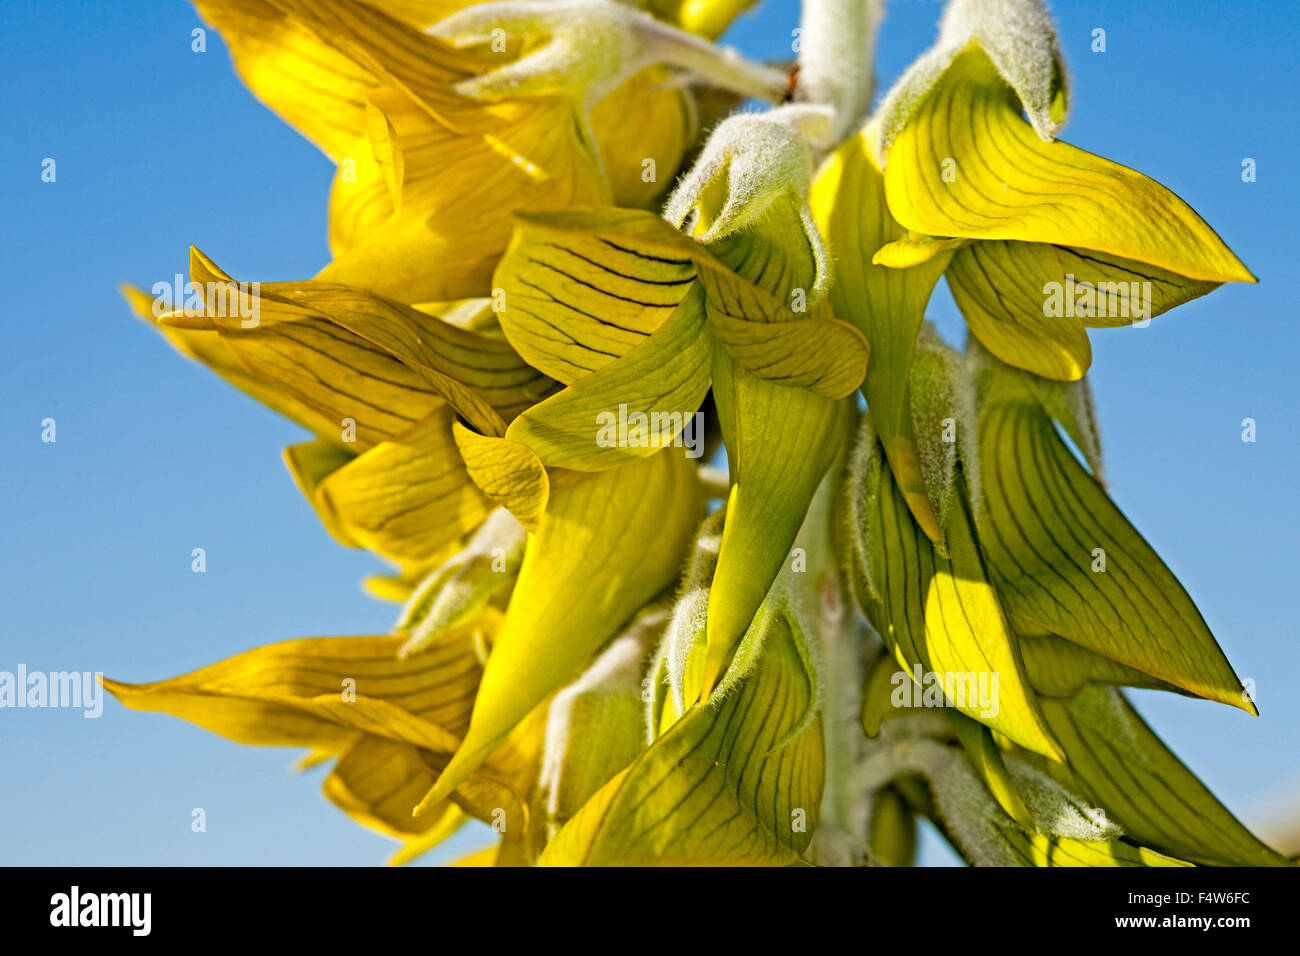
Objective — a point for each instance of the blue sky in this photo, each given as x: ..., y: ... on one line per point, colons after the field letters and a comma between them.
x: 158, y: 147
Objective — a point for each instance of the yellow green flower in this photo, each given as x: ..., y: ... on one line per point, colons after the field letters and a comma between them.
x: 591, y: 381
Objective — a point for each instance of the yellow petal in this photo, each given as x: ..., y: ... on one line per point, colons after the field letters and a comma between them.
x: 886, y: 304
x: 780, y: 441
x: 211, y: 350
x: 643, y: 157
x: 407, y: 498
x: 506, y: 471
x: 604, y: 548
x: 1001, y: 297
x: 293, y: 693
x: 323, y: 63
x: 584, y: 288
x: 723, y: 786
x: 1068, y: 562
x: 376, y: 782
x: 312, y: 462
x: 820, y: 353
x: 708, y: 18
x: 966, y: 164
x: 632, y: 407
x: 338, y: 376
x: 913, y: 250
x: 942, y: 619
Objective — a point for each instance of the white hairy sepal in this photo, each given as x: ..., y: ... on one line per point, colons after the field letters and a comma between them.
x: 972, y: 816
x: 861, y: 495
x: 942, y: 394
x: 1056, y: 810
x: 462, y: 584
x: 751, y: 162
x: 592, y: 47
x: 837, y: 41
x: 1018, y: 36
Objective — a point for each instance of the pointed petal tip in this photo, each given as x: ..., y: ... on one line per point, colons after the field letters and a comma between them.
x: 463, y: 763
x: 187, y: 319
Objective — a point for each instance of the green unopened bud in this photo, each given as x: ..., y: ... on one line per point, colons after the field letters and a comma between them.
x: 943, y: 423
x: 593, y: 47
x: 756, y: 170
x: 462, y: 585
x: 1019, y: 38
x: 891, y: 829
x: 861, y: 495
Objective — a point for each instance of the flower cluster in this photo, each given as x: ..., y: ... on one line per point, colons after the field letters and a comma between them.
x: 555, y: 307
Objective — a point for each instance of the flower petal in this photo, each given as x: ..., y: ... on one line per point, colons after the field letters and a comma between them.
x: 664, y: 379
x: 605, y: 547
x: 780, y: 441
x: 721, y: 787
x: 966, y: 164
x: 407, y: 498
x: 1067, y: 561
x: 1117, y: 760
x: 886, y: 304
x: 1001, y: 299
x: 940, y: 615
x: 585, y: 287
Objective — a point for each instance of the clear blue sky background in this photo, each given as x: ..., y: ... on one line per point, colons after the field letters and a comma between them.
x: 158, y: 147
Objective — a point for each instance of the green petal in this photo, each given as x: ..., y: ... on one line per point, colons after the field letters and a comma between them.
x: 717, y: 788
x: 1117, y: 301
x: 480, y: 376
x: 311, y: 462
x: 891, y: 829
x: 819, y: 353
x: 664, y: 378
x: 1060, y: 668
x: 987, y: 760
x: 347, y: 354
x: 780, y: 441
x: 966, y: 164
x: 585, y: 287
x: 604, y: 548
x: 1116, y: 759
x: 506, y: 471
x: 942, y: 615
x: 1001, y: 298
x: 1042, y: 849
x: 886, y: 304
x: 1047, y: 524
